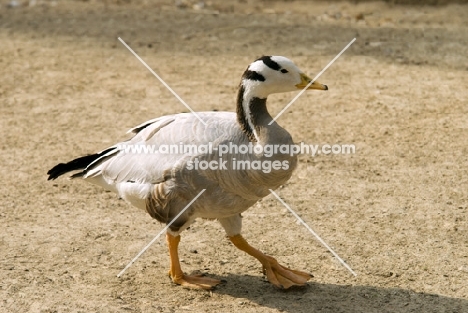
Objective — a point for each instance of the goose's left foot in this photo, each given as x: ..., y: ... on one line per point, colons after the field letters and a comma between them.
x: 194, y: 281
x: 277, y: 274
x: 176, y: 274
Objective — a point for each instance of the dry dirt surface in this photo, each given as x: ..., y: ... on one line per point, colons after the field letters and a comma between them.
x: 396, y: 210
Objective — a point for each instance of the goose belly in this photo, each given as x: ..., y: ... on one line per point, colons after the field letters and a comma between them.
x: 228, y: 205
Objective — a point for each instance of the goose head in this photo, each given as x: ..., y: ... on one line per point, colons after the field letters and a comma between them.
x: 265, y: 76
x: 275, y: 74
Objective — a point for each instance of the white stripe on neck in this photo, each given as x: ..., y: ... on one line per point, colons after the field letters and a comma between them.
x: 249, y: 85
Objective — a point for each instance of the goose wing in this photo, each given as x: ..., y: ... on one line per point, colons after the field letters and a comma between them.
x: 141, y: 160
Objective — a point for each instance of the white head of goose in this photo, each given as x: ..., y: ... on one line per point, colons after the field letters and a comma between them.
x: 265, y: 76
x: 163, y: 183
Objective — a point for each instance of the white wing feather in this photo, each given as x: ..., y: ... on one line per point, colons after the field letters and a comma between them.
x: 126, y: 172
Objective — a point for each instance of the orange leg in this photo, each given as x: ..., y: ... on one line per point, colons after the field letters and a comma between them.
x: 278, y: 275
x: 176, y: 274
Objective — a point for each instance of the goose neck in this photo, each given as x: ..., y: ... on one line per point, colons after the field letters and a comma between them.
x: 252, y: 114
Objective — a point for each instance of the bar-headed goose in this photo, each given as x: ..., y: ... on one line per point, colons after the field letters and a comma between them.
x: 144, y: 174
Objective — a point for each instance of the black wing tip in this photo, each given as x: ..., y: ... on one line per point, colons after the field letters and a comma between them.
x: 54, y: 172
x: 57, y: 171
x: 80, y: 163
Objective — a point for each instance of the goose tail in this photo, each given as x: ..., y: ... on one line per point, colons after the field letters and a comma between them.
x: 80, y: 163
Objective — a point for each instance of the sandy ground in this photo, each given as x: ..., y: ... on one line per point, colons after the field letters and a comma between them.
x: 396, y: 210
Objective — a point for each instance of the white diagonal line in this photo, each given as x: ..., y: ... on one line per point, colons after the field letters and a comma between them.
x: 313, y: 80
x: 314, y: 233
x: 161, y: 80
x: 160, y: 233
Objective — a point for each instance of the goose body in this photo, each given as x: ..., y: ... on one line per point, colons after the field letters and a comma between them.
x: 164, y: 183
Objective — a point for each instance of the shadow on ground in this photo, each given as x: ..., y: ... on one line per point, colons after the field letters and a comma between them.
x: 316, y: 297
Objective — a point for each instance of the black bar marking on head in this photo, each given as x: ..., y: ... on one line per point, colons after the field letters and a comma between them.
x: 252, y: 75
x: 270, y: 63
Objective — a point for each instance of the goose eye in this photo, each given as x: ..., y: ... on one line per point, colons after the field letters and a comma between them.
x: 284, y: 71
